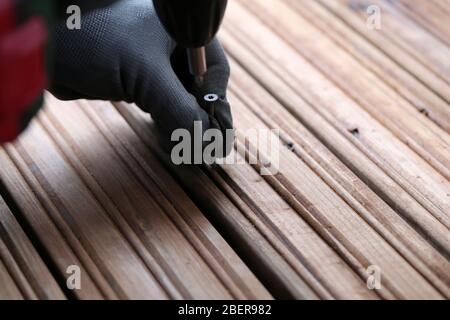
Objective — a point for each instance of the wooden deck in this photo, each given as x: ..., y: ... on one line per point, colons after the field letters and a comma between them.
x: 363, y: 181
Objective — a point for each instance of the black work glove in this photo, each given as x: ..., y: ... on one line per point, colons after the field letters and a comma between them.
x: 122, y: 52
x: 87, y: 5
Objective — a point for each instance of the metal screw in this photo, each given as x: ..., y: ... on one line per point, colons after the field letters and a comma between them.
x: 211, y: 97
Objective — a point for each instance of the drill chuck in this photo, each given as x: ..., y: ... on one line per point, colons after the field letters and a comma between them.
x: 192, y: 24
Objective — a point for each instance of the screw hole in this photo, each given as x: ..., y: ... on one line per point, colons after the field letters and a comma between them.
x: 355, y: 132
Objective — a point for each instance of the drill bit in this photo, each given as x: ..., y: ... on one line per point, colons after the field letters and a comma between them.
x: 197, y: 64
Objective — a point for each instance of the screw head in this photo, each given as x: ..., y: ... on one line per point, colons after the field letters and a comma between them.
x: 211, y: 97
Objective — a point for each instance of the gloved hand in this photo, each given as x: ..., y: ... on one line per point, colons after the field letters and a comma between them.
x: 122, y: 52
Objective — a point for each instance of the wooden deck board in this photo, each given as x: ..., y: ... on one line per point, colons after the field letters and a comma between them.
x: 343, y: 181
x: 29, y: 274
x: 377, y: 61
x: 363, y: 181
x: 9, y: 290
x: 378, y: 143
x: 384, y: 42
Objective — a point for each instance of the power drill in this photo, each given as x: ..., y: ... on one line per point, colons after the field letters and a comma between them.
x: 26, y: 57
x: 192, y: 24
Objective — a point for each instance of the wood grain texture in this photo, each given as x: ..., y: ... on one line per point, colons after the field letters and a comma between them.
x: 363, y: 246
x: 344, y: 182
x: 412, y: 38
x: 364, y: 89
x: 51, y: 229
x: 354, y: 15
x: 429, y: 15
x: 362, y: 118
x: 395, y: 157
x: 260, y: 252
x: 8, y: 289
x: 355, y: 159
x: 261, y: 189
x: 419, y: 95
x: 163, y: 235
x: 25, y: 265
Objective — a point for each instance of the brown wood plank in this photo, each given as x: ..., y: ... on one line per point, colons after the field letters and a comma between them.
x: 363, y: 118
x: 358, y: 83
x: 196, y: 275
x: 369, y: 172
x: 33, y: 277
x: 443, y: 5
x: 403, y: 165
x: 344, y: 182
x: 410, y: 36
x: 221, y: 258
x: 8, y: 289
x: 357, y: 19
x: 363, y: 245
x: 122, y: 267
x: 355, y: 159
x: 297, y: 236
x: 52, y: 231
x: 261, y: 249
x: 14, y: 271
x: 420, y: 96
x: 365, y: 233
x: 429, y: 15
